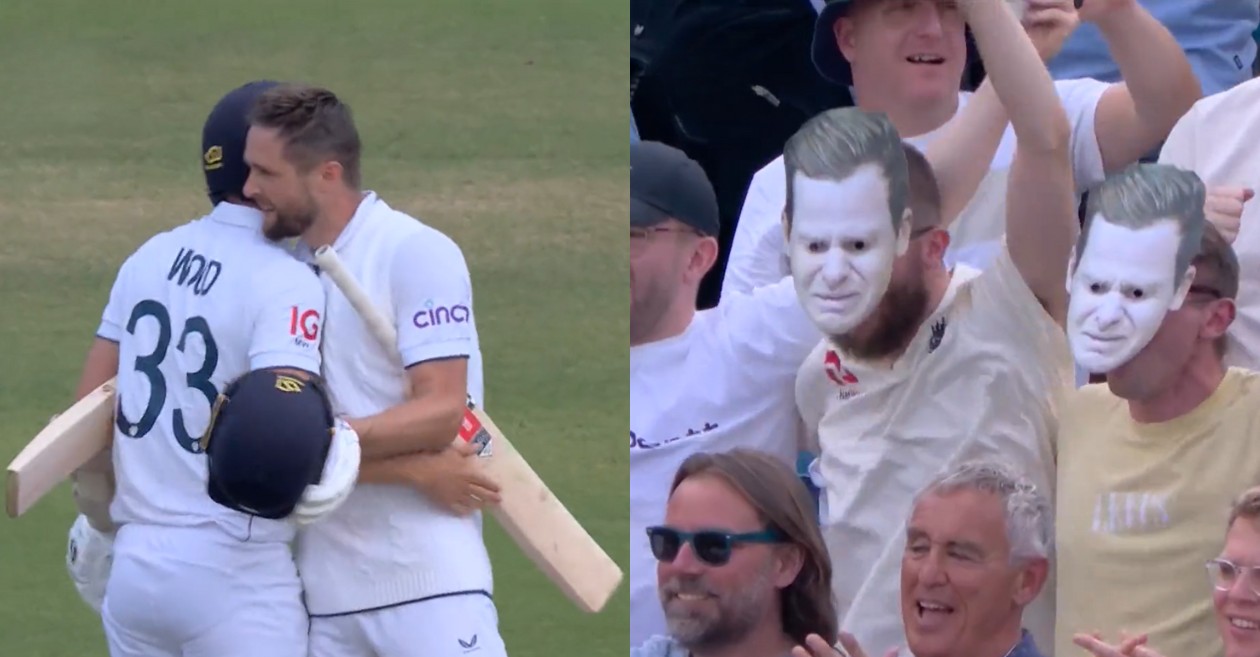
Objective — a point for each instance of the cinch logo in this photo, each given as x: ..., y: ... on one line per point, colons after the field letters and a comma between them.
x: 433, y: 315
x: 304, y: 321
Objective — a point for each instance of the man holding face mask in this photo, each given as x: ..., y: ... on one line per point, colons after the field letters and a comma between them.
x: 1149, y: 461
x: 924, y: 366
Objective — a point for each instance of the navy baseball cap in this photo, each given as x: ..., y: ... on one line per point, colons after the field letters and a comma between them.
x: 223, y: 140
x: 268, y: 438
x: 666, y: 184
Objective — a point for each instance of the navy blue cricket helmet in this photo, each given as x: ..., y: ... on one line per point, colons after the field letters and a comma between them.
x: 268, y: 438
x: 223, y: 140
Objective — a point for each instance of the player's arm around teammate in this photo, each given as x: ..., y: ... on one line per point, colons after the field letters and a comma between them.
x: 414, y: 443
x: 427, y: 276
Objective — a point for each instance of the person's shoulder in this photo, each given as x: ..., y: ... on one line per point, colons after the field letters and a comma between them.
x: 404, y: 231
x: 1244, y: 96
x: 1248, y: 383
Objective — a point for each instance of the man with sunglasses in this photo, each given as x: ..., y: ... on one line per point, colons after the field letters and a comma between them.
x: 1149, y: 460
x: 713, y: 379
x: 742, y: 570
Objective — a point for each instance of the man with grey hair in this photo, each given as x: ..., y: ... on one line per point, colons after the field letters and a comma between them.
x: 977, y: 553
x: 1147, y: 463
x: 1142, y: 228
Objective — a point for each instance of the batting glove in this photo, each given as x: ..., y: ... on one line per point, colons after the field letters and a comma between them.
x: 89, y: 557
x: 341, y: 472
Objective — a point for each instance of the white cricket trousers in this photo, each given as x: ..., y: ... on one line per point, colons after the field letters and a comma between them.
x: 464, y: 625
x: 198, y: 592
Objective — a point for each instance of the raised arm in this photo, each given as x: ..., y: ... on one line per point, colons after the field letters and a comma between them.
x: 962, y: 155
x: 1041, y: 223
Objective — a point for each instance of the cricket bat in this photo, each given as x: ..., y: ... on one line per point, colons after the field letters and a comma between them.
x: 68, y: 442
x: 539, y: 523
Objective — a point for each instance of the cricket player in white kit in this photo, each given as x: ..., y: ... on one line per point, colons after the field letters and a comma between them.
x: 191, y: 310
x: 398, y: 570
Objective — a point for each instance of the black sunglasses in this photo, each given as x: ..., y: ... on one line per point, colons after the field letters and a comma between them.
x: 711, y: 547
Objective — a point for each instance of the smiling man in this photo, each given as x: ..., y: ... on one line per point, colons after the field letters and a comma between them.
x: 906, y: 58
x: 741, y: 567
x: 925, y: 365
x: 1142, y: 228
x: 977, y: 553
x: 1149, y: 460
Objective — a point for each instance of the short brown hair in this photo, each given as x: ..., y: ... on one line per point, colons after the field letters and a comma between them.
x: 1216, y: 269
x: 315, y: 125
x: 1245, y: 506
x: 925, y: 192
x: 784, y: 504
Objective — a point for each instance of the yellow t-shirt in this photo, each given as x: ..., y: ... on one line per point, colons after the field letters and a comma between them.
x: 1142, y: 507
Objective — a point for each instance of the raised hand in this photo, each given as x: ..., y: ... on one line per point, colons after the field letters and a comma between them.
x: 1224, y: 206
x: 1049, y: 23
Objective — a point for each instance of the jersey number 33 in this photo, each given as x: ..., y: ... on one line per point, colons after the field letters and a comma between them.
x: 149, y: 365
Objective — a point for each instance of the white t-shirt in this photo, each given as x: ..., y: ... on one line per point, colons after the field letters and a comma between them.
x: 725, y: 382
x: 982, y: 378
x: 389, y: 544
x: 758, y: 252
x: 1217, y: 139
x: 192, y: 310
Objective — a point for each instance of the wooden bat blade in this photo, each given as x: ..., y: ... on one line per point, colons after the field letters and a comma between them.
x: 60, y: 448
x: 540, y: 525
x: 537, y: 522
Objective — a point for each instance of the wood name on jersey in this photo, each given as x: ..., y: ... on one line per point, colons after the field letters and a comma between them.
x: 195, y: 271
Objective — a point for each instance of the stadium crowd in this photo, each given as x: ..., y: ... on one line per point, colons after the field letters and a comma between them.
x: 941, y: 337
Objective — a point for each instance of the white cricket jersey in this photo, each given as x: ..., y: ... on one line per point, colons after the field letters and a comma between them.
x: 192, y: 310
x: 725, y: 382
x: 983, y: 378
x: 389, y: 544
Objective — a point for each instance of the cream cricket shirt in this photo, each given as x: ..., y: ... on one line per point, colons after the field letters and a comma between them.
x: 389, y: 544
x: 981, y: 379
x: 1217, y: 139
x: 192, y: 310
x: 758, y: 252
x: 725, y: 382
x: 1143, y: 507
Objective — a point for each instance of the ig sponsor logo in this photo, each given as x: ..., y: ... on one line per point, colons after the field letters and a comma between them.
x: 435, y: 315
x: 303, y: 325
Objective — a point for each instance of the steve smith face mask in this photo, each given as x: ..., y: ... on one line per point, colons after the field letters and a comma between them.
x: 1122, y: 287
x: 842, y: 247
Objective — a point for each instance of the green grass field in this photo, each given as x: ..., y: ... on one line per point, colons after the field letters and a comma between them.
x: 502, y: 123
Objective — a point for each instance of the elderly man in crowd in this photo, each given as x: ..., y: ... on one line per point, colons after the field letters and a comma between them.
x: 977, y: 552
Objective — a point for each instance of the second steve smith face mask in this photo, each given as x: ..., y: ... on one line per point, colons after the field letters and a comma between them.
x: 842, y: 247
x: 1121, y: 289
